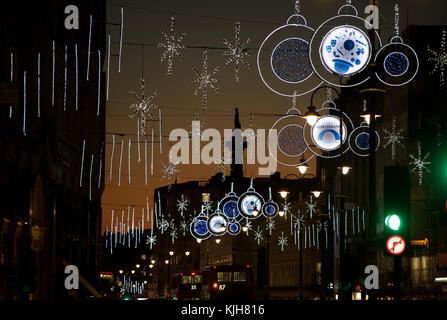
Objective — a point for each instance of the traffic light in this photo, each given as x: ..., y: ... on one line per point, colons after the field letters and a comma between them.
x: 396, y: 209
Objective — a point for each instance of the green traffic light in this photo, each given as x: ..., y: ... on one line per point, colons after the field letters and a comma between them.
x: 392, y: 221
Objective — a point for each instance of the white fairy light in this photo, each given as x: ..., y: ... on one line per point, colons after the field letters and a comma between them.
x: 99, y: 82
x: 173, y: 235
x: 207, y: 207
x: 286, y: 208
x: 164, y: 225
x: 169, y: 172
x: 221, y: 167
x: 439, y: 59
x: 82, y: 162
x: 393, y: 138
x: 236, y: 53
x: 38, y: 84
x: 258, y: 235
x: 396, y: 19
x: 121, y: 161
x: 172, y: 46
x: 108, y: 67
x: 90, y: 181
x: 270, y: 226
x: 11, y: 78
x: 419, y: 163
x: 143, y: 108
x: 24, y: 103
x: 128, y: 158
x: 282, y: 241
x: 121, y: 39
x: 182, y: 205
x: 205, y: 80
x: 145, y: 162
x: 89, y: 46
x: 77, y: 78
x: 311, y: 207
x: 183, y: 226
x: 65, y: 76
x: 151, y: 240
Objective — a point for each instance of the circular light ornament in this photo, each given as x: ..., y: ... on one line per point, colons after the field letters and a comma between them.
x: 392, y: 221
x: 270, y: 209
x: 338, y: 53
x: 199, y: 227
x: 229, y: 206
x: 345, y: 51
x: 397, y: 63
x: 249, y: 202
x: 359, y: 140
x: 289, y: 141
x: 325, y: 139
x: 234, y: 228
x: 217, y: 223
x: 326, y: 133
x: 283, y: 59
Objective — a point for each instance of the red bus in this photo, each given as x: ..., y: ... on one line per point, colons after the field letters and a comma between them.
x: 228, y: 282
x: 188, y: 286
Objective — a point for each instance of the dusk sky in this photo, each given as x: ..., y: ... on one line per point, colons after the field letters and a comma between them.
x: 206, y: 23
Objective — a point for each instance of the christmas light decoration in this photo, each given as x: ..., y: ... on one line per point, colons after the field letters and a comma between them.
x: 172, y: 46
x: 439, y: 59
x: 205, y: 80
x: 393, y: 138
x: 237, y: 53
x: 419, y: 163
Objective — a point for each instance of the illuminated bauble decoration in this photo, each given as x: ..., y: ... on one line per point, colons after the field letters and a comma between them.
x: 360, y: 141
x: 199, y: 227
x: 230, y: 209
x: 326, y: 133
x: 290, y: 60
x: 396, y: 64
x: 234, y: 228
x: 250, y: 203
x: 291, y: 140
x: 345, y: 50
x: 217, y: 223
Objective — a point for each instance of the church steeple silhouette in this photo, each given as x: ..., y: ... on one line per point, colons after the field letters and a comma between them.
x: 236, y: 169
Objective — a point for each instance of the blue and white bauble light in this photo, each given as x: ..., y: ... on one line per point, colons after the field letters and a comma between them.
x: 345, y: 50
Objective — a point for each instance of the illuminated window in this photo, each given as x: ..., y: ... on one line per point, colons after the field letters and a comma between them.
x: 197, y: 279
x: 206, y: 197
x: 239, y: 276
x: 223, y: 276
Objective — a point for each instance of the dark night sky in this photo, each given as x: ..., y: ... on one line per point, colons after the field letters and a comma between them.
x: 176, y: 92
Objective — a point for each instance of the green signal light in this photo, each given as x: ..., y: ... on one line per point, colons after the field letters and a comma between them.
x: 392, y: 221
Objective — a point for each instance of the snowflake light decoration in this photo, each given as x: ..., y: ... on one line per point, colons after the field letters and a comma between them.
x: 270, y: 226
x: 311, y: 207
x: 420, y: 163
x: 221, y: 168
x: 151, y: 241
x: 208, y: 206
x: 439, y: 60
x: 164, y: 225
x: 299, y: 222
x: 172, y: 46
x: 258, y: 235
x: 173, y: 235
x: 394, y: 138
x: 286, y: 208
x: 237, y: 53
x: 143, y: 108
x: 205, y: 80
x: 196, y: 131
x: 169, y: 172
x: 182, y: 205
x: 282, y: 241
x: 248, y: 226
x: 183, y: 226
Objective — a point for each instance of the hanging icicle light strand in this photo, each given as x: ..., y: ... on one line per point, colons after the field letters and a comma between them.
x: 99, y: 82
x: 65, y: 77
x: 77, y: 78
x: 11, y: 78
x: 53, y: 73
x: 121, y: 160
x: 111, y: 157
x: 121, y: 39
x: 90, y: 180
x: 108, y: 67
x: 24, y: 103
x: 89, y: 47
x: 128, y: 158
x: 82, y: 163
x: 38, y: 84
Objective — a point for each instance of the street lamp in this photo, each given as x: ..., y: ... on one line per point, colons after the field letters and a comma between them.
x: 153, y: 261
x: 255, y: 212
x: 367, y: 117
x: 133, y: 271
x: 137, y: 265
x: 187, y: 253
x: 303, y: 166
x: 121, y: 271
x: 217, y: 241
x: 167, y: 261
x: 311, y: 115
x: 151, y: 266
x: 317, y: 193
x: 345, y: 169
x: 283, y: 193
x: 171, y: 253
x: 199, y: 240
x: 281, y: 213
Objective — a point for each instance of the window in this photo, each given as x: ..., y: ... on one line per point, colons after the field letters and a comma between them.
x: 197, y: 279
x: 223, y: 276
x: 186, y: 279
x: 239, y: 276
x: 206, y: 197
